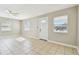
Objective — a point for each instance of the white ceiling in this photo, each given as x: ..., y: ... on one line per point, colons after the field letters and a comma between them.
x: 30, y: 10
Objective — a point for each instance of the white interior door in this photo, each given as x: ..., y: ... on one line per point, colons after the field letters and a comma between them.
x: 43, y: 28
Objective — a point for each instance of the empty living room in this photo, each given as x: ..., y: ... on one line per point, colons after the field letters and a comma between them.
x: 39, y: 29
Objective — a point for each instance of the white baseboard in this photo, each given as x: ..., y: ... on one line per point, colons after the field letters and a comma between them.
x: 68, y: 45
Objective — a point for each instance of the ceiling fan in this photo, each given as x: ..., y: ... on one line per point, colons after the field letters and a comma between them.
x: 14, y: 13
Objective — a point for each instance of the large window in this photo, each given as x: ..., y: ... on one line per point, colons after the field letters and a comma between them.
x: 61, y: 24
x: 5, y: 26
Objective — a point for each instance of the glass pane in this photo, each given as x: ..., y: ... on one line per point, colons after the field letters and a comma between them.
x: 6, y: 26
x: 27, y: 25
x: 60, y: 24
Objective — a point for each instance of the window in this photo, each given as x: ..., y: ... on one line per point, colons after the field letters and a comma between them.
x: 5, y: 26
x: 60, y: 24
x: 27, y: 25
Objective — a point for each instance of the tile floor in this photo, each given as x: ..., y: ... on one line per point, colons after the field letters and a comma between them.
x: 13, y: 46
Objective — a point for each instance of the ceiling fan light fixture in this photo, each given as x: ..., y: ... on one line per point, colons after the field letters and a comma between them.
x: 14, y: 13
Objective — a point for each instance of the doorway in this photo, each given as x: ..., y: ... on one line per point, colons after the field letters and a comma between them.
x: 43, y: 28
